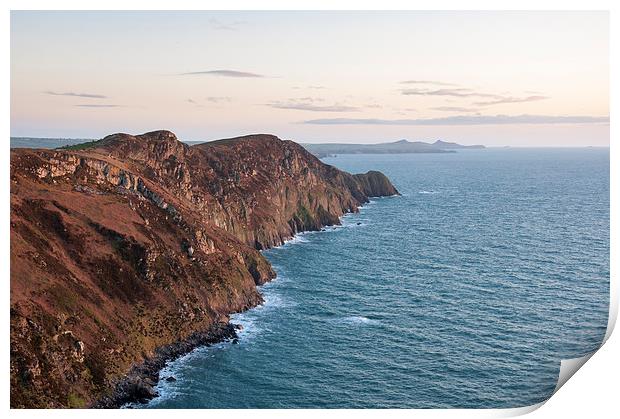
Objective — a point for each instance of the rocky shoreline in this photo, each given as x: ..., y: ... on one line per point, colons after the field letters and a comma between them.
x: 133, y: 250
x: 138, y: 386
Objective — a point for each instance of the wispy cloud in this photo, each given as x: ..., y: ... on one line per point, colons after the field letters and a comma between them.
x: 454, y: 109
x: 466, y: 120
x: 313, y: 108
x: 97, y: 106
x: 212, y: 99
x: 195, y: 103
x: 311, y: 87
x: 86, y: 95
x: 226, y: 26
x: 431, y: 82
x: 458, y: 92
x: 223, y: 73
x: 313, y: 105
x: 494, y: 99
x: 510, y: 99
x: 219, y: 99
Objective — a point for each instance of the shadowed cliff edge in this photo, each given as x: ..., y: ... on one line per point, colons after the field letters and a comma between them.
x: 132, y: 250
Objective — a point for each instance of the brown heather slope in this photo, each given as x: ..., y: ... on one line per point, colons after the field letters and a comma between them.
x: 127, y: 245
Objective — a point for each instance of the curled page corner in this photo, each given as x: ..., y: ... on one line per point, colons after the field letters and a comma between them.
x: 518, y: 411
x: 568, y: 368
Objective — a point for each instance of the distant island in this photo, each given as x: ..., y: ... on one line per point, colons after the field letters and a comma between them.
x: 396, y: 147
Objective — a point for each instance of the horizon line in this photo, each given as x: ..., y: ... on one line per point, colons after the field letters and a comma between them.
x: 302, y: 142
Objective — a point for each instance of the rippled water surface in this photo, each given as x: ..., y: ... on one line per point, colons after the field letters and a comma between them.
x: 464, y: 292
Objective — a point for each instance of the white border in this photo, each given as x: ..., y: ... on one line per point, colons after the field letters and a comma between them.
x: 593, y: 392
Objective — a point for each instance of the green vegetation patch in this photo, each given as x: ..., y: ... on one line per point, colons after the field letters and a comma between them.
x: 305, y: 216
x: 75, y: 401
x: 81, y: 146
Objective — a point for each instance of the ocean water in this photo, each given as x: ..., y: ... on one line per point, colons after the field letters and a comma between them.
x: 466, y: 291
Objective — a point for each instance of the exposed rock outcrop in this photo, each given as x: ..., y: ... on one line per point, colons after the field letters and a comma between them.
x: 375, y: 183
x: 131, y: 244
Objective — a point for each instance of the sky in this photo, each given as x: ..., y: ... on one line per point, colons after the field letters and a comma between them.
x: 493, y: 78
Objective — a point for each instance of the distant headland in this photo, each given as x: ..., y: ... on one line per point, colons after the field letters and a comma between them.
x: 396, y: 147
x: 320, y: 150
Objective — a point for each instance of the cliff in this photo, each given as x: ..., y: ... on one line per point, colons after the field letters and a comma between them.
x: 125, y: 247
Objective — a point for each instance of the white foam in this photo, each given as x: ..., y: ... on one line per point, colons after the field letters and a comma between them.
x: 296, y: 239
x: 357, y: 320
x: 251, y: 319
x: 427, y: 192
x: 169, y: 390
x: 249, y: 331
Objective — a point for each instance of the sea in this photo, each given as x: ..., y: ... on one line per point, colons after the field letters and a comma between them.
x: 464, y: 292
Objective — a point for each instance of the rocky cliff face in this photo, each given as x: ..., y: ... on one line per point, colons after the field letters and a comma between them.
x: 131, y: 243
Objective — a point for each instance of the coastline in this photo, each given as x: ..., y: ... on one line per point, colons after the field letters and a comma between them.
x: 153, y: 276
x: 138, y: 386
